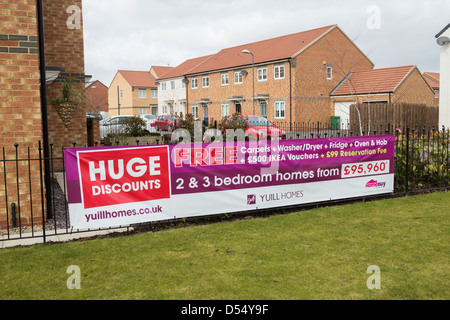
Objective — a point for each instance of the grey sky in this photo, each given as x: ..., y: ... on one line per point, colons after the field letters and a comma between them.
x: 136, y: 34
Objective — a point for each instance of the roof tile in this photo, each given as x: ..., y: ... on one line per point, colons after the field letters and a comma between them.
x: 279, y: 48
x: 138, y: 78
x: 372, y: 81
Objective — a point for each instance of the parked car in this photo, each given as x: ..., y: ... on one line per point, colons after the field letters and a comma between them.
x: 255, y: 126
x: 167, y: 122
x: 112, y: 125
x: 150, y: 120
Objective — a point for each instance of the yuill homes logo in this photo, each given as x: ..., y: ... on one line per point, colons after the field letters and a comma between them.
x: 375, y: 184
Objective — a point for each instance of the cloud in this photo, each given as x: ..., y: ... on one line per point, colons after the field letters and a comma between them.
x: 136, y: 34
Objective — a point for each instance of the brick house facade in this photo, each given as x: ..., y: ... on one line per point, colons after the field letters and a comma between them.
x: 132, y: 93
x: 97, y: 97
x: 20, y: 101
x: 293, y: 76
x: 404, y: 84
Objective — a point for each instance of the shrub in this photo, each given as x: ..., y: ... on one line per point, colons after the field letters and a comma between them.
x: 134, y: 126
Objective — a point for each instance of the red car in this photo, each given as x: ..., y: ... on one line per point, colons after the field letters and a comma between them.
x: 256, y: 126
x: 167, y: 122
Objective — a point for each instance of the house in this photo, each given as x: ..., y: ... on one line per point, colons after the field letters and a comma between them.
x: 290, y: 77
x: 172, y: 94
x: 443, y: 40
x: 158, y: 71
x: 96, y: 94
x: 133, y: 93
x: 386, y: 85
x: 433, y: 80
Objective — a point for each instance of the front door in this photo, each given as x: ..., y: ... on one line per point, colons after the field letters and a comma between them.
x: 263, y: 109
x: 237, y: 107
x: 205, y: 115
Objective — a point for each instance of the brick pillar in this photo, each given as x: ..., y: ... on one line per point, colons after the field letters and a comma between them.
x: 64, y: 48
x: 20, y: 109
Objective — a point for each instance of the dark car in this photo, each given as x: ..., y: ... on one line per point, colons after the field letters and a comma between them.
x: 167, y: 122
x: 256, y: 126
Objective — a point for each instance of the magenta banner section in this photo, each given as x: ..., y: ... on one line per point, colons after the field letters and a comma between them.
x: 241, y: 165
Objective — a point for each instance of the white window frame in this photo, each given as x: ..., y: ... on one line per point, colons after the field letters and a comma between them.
x: 163, y: 86
x: 225, y: 110
x: 278, y: 72
x: 238, y: 78
x: 262, y: 74
x: 142, y: 94
x: 224, y: 79
x: 172, y: 85
x: 280, y: 110
x: 261, y: 103
x: 205, y: 82
x: 154, y: 94
x: 164, y: 109
x: 329, y: 72
x: 142, y: 110
x: 195, y: 112
x: 194, y: 83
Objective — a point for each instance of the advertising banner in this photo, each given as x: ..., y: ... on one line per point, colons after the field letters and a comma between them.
x: 112, y: 186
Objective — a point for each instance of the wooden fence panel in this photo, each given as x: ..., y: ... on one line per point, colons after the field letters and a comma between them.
x: 376, y: 116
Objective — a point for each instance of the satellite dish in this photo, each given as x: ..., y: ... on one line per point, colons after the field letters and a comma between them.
x: 442, y: 41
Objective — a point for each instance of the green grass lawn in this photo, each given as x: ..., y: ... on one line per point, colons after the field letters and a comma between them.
x: 316, y: 254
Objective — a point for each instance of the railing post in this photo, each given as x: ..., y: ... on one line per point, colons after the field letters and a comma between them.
x: 42, y: 192
x: 407, y: 159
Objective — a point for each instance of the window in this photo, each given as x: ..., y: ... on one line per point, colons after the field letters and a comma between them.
x: 164, y: 109
x: 172, y: 85
x: 163, y: 86
x: 279, y: 72
x: 329, y: 72
x: 195, y: 112
x: 142, y: 110
x: 237, y: 77
x: 194, y: 83
x: 121, y: 94
x: 183, y: 84
x: 142, y: 93
x: 225, y: 110
x: 263, y: 109
x: 205, y: 82
x: 154, y: 94
x: 262, y: 74
x: 279, y: 110
x: 224, y: 79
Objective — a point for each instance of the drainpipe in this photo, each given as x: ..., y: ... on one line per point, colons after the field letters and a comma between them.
x: 290, y: 95
x: 187, y: 97
x: 44, y: 112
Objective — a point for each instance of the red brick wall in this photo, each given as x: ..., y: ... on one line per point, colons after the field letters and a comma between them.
x: 414, y: 90
x: 64, y: 48
x: 97, y: 97
x: 311, y: 88
x: 20, y: 109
